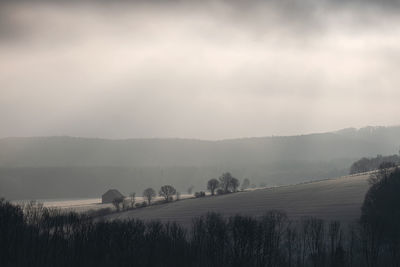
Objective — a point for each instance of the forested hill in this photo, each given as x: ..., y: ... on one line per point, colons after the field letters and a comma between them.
x: 64, y: 167
x: 71, y: 151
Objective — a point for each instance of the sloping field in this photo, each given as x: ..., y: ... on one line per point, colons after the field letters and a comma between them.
x: 334, y: 199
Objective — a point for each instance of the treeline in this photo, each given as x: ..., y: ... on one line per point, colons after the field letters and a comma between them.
x: 36, y: 236
x: 224, y: 185
x: 371, y: 164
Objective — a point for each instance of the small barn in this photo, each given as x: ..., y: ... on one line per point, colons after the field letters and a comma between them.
x: 111, y: 195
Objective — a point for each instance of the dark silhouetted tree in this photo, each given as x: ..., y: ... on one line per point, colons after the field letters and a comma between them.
x: 212, y: 185
x: 149, y: 194
x: 234, y: 184
x: 132, y: 199
x: 117, y: 203
x: 33, y: 235
x: 335, y: 235
x: 167, y: 191
x: 380, y: 217
x: 228, y: 183
x: 190, y: 189
x: 225, y: 181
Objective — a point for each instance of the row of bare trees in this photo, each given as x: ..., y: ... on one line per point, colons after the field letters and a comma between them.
x: 37, y: 236
x: 226, y: 184
x: 166, y: 191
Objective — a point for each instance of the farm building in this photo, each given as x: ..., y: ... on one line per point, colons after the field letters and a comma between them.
x: 111, y: 195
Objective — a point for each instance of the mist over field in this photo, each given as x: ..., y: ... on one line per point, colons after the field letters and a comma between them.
x: 66, y: 167
x: 190, y: 71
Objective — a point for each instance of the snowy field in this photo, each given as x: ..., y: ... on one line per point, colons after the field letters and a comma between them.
x: 85, y: 204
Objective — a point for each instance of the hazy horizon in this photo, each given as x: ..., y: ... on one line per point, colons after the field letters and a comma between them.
x: 203, y: 139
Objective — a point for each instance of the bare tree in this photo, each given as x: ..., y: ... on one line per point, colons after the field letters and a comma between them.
x: 225, y: 181
x: 212, y: 185
x: 167, y: 191
x: 149, y: 193
x: 190, y: 189
x: 291, y: 237
x: 316, y: 241
x: 234, y: 184
x: 335, y: 239
x: 117, y: 203
x: 132, y: 199
x: 228, y: 183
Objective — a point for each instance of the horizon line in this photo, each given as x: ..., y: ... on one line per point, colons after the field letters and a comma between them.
x: 196, y: 139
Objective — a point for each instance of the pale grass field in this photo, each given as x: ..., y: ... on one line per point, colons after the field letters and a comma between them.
x: 333, y: 199
x: 84, y: 205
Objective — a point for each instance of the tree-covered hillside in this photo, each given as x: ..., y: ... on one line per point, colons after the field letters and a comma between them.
x: 42, y: 167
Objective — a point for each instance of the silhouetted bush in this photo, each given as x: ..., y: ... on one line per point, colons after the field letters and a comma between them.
x: 200, y: 194
x: 220, y: 191
x: 141, y: 205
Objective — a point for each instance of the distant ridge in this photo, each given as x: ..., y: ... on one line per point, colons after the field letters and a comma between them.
x: 75, y: 151
x: 344, y: 131
x: 62, y: 167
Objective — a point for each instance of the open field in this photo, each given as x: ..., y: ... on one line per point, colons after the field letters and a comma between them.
x: 333, y: 199
x: 85, y: 204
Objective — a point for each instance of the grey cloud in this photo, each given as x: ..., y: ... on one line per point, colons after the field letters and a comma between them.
x: 305, y: 16
x: 204, y: 69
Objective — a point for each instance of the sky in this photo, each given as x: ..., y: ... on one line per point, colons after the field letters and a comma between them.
x: 211, y: 69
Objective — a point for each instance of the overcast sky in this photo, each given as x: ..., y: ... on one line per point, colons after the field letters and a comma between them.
x: 197, y: 69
